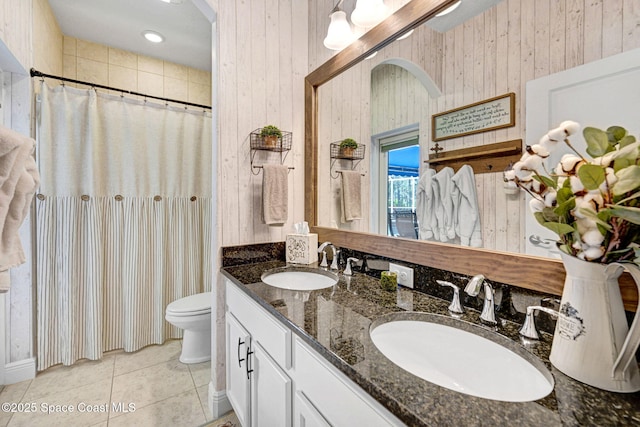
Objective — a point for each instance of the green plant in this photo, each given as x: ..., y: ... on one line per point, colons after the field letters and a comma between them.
x: 592, y: 205
x: 270, y: 130
x: 348, y: 143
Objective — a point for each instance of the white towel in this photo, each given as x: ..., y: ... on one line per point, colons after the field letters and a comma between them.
x: 350, y: 200
x: 19, y: 180
x: 425, y: 207
x: 445, y: 210
x: 275, y: 194
x: 468, y: 225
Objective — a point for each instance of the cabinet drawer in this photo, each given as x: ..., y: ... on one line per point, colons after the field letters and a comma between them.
x: 274, y: 337
x: 340, y: 401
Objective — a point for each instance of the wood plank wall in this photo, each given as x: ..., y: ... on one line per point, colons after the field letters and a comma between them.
x: 263, y: 62
x: 496, y: 52
x: 16, y: 17
x: 15, y: 26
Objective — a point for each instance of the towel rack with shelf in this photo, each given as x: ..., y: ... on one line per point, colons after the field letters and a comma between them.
x: 257, y: 143
x: 354, y: 155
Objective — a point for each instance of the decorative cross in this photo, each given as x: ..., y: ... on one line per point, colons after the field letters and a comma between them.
x: 436, y: 148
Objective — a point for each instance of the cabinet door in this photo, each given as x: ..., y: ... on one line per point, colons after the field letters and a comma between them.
x: 238, y: 383
x: 305, y: 414
x: 270, y: 391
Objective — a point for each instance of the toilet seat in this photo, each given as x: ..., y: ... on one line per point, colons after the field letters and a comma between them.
x: 192, y: 305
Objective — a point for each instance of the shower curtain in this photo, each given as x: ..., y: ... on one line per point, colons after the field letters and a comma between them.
x: 123, y: 221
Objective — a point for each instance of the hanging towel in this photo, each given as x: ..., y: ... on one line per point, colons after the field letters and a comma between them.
x: 425, y: 207
x: 19, y: 179
x: 445, y: 209
x: 464, y: 196
x: 275, y: 194
x: 350, y: 200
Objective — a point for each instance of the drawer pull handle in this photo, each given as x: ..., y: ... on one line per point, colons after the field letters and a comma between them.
x: 240, y: 342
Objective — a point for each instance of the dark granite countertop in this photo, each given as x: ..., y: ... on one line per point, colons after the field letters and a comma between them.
x: 336, y: 322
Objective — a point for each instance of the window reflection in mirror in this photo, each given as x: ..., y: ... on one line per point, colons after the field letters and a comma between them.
x: 398, y: 158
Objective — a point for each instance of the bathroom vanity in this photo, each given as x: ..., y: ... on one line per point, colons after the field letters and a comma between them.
x: 306, y: 358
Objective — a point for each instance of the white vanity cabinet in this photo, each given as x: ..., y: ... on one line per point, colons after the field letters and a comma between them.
x: 269, y: 383
x: 339, y: 400
x: 305, y: 414
x: 258, y: 354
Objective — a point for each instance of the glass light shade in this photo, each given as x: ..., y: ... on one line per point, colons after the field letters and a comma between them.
x: 339, y: 34
x: 369, y: 13
x: 450, y: 8
x: 405, y: 35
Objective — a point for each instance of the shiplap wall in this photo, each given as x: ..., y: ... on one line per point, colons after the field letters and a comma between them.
x: 493, y: 53
x: 263, y: 62
x: 16, y: 18
x: 15, y: 29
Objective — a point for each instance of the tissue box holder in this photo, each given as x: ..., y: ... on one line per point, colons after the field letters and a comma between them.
x: 302, y: 248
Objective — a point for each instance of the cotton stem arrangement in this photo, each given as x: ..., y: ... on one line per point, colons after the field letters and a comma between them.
x: 591, y: 204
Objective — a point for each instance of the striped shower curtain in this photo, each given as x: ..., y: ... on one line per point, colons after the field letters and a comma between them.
x: 123, y: 221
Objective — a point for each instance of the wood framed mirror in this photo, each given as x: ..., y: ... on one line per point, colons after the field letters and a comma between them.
x: 536, y: 273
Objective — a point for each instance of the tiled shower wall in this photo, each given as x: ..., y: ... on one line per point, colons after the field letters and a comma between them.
x: 87, y: 61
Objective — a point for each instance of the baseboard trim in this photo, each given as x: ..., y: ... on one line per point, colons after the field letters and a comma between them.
x: 21, y: 370
x: 218, y: 402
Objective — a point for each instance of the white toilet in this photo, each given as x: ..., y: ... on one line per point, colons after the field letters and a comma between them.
x: 193, y: 314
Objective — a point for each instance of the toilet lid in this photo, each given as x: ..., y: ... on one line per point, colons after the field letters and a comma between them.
x: 192, y: 304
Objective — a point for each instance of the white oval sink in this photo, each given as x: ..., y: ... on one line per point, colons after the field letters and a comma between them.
x: 299, y: 279
x: 462, y: 361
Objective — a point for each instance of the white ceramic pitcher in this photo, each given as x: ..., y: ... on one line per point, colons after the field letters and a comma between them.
x: 592, y: 342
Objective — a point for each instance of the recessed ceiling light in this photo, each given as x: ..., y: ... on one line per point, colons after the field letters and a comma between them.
x: 450, y: 8
x: 172, y: 1
x: 153, y: 36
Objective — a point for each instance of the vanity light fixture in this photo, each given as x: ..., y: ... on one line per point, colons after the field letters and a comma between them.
x: 450, y: 8
x: 153, y: 36
x: 369, y: 13
x: 405, y: 35
x: 339, y: 33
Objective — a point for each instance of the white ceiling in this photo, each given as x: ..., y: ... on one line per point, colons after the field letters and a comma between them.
x: 119, y: 24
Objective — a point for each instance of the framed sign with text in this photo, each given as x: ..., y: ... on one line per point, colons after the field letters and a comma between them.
x: 483, y: 116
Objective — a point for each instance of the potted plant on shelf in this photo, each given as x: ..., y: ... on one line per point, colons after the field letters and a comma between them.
x: 270, y: 135
x: 592, y: 202
x: 347, y: 147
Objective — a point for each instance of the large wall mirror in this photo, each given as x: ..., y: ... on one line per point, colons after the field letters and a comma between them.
x: 388, y: 100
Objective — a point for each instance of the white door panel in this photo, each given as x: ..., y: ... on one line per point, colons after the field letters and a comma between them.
x: 599, y: 94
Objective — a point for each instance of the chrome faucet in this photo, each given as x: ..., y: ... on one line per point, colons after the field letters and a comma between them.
x: 488, y: 314
x: 334, y: 262
x: 347, y: 269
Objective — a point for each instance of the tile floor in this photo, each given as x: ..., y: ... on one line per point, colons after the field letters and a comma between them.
x: 147, y: 388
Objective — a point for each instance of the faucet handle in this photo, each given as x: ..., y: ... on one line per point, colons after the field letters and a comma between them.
x: 528, y: 329
x: 455, y: 306
x: 347, y: 269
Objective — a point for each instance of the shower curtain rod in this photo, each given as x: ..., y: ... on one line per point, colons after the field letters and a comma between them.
x: 35, y: 73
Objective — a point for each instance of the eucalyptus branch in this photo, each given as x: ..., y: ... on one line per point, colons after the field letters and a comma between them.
x: 566, y: 141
